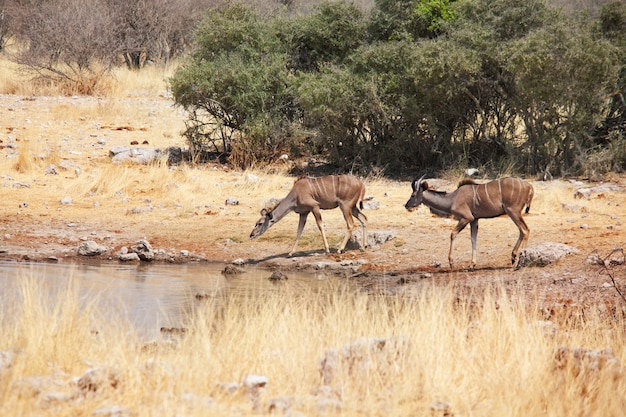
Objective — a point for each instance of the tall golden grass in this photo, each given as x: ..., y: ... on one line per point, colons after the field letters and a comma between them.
x: 491, y: 358
x: 121, y: 82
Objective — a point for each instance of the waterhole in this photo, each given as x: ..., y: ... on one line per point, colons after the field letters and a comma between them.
x: 151, y: 298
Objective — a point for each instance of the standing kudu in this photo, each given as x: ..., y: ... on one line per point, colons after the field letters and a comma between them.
x: 310, y: 195
x: 471, y: 201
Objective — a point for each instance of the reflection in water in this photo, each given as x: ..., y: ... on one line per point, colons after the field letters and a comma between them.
x: 149, y: 296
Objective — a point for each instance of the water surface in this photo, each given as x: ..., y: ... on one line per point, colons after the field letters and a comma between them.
x: 149, y: 296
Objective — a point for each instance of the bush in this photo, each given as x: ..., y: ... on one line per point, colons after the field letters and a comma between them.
x: 413, y: 85
x: 67, y: 45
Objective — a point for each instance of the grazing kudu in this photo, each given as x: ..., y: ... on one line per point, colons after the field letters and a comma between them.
x: 471, y: 201
x: 310, y: 195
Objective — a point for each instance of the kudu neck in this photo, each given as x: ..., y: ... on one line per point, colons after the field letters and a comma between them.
x: 437, y: 200
x: 286, y: 205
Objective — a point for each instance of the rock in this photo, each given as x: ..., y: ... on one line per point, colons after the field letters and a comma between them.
x: 254, y: 384
x: 66, y: 201
x: 587, y: 360
x: 270, y: 204
x: 128, y: 257
x: 374, y: 238
x: 255, y: 381
x: 278, y: 276
x: 97, y: 379
x: 133, y: 154
x: 587, y: 192
x: 441, y: 408
x: 573, y: 208
x: 56, y: 397
x: 6, y: 360
x: 544, y: 254
x: 91, y: 248
x: 231, y: 201
x: 252, y: 178
x: 363, y: 358
x: 113, y: 411
x: 371, y: 205
x: 143, y: 249
x: 51, y: 170
x: 176, y: 155
x: 232, y: 270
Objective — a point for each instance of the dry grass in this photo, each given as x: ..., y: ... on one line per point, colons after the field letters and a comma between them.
x: 491, y: 359
x: 150, y: 81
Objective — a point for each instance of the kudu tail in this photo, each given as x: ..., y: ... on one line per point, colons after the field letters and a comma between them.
x: 362, y: 197
x: 531, y: 193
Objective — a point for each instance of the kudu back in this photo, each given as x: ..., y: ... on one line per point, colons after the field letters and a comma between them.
x: 472, y: 201
x: 313, y: 194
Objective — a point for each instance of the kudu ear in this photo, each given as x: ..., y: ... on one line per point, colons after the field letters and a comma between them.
x: 424, y: 186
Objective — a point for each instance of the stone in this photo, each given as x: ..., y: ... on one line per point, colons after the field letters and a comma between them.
x: 6, y: 360
x: 91, y: 248
x: 231, y: 201
x: 143, y: 249
x: 364, y: 357
x: 374, y: 238
x: 128, y: 257
x: 94, y: 380
x: 544, y: 254
x: 51, y: 170
x: 278, y: 276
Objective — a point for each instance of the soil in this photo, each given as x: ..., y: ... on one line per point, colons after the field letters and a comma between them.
x: 35, y: 227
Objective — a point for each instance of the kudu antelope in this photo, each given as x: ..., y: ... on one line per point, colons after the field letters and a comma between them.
x: 471, y: 201
x: 310, y: 195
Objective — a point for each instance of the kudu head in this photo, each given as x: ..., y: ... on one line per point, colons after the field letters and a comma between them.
x: 419, y: 186
x: 264, y: 223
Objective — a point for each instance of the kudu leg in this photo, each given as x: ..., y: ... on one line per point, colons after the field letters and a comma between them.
x: 474, y: 235
x: 320, y: 225
x: 459, y: 227
x: 362, y: 218
x: 301, y: 224
x: 522, y: 240
x: 347, y: 215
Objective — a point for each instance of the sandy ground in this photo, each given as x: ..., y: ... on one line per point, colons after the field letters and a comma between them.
x: 193, y: 223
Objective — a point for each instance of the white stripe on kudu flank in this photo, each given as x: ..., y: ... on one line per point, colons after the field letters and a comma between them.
x: 487, y: 194
x: 323, y: 185
x: 309, y: 181
x: 512, y: 189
